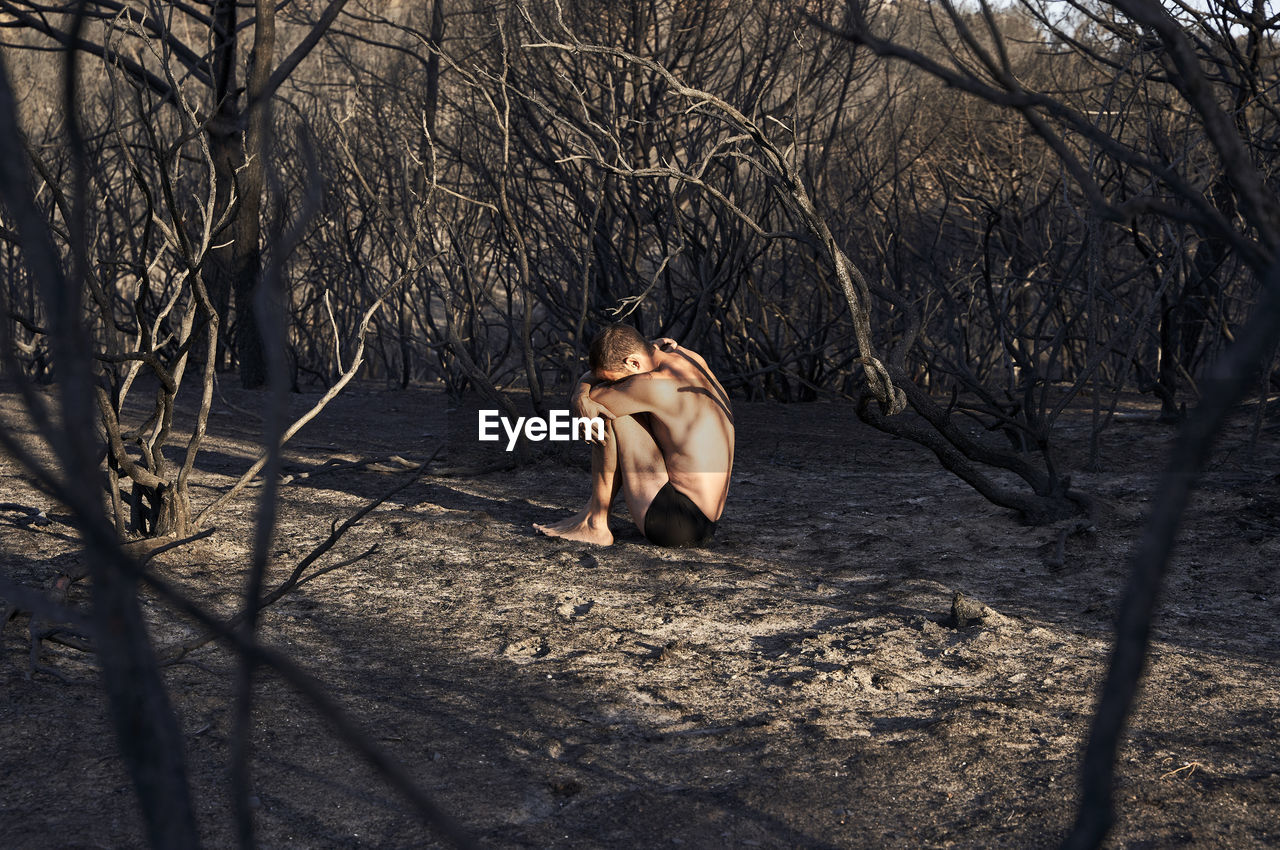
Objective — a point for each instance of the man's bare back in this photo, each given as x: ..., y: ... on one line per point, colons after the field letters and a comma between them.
x: 669, y: 445
x: 693, y: 427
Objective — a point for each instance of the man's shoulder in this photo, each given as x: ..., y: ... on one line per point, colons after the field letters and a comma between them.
x: 692, y: 354
x: 656, y: 389
x: 660, y: 380
x: 643, y: 383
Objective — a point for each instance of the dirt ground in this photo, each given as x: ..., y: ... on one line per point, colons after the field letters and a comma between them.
x: 796, y: 685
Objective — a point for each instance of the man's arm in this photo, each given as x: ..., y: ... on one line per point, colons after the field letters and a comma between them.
x: 644, y: 393
x: 585, y: 383
x: 581, y: 401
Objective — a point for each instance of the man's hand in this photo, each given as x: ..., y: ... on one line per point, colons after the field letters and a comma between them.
x: 665, y: 343
x: 584, y: 406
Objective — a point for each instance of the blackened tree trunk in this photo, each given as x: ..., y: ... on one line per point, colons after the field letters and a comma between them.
x: 235, y: 136
x: 247, y: 228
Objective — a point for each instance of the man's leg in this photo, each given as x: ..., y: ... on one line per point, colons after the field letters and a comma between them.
x: 591, y: 524
x: 630, y: 460
x: 644, y: 471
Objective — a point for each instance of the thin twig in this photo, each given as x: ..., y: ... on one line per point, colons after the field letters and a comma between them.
x: 296, y: 577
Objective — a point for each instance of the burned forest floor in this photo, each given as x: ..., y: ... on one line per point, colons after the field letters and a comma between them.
x: 797, y: 684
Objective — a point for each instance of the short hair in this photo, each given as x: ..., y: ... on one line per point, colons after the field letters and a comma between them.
x: 613, y: 345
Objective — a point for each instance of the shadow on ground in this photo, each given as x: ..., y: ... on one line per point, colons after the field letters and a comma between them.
x: 797, y: 684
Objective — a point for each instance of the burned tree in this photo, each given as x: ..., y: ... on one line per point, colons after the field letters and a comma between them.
x: 79, y: 310
x: 186, y: 76
x: 1219, y: 187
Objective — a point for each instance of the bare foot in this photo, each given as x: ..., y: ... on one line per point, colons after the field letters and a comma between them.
x: 581, y: 527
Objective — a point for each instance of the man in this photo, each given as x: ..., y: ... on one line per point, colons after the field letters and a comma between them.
x: 668, y: 443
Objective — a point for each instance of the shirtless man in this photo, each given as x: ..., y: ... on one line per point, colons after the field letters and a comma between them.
x: 668, y: 442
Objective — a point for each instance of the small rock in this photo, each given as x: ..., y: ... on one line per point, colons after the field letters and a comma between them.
x: 565, y: 787
x: 966, y: 610
x: 889, y: 682
x: 575, y: 609
x: 530, y: 647
x: 659, y: 654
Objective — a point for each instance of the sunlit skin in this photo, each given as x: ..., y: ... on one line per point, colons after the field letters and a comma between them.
x: 667, y: 419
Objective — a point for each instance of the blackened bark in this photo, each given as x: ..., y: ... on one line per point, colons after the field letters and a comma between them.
x: 147, y: 731
x: 1225, y: 387
x: 248, y: 223
x: 226, y: 148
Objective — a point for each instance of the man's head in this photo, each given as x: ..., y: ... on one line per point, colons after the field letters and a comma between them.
x: 619, y: 351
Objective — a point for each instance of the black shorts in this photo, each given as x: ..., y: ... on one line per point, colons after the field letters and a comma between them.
x: 674, y: 520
